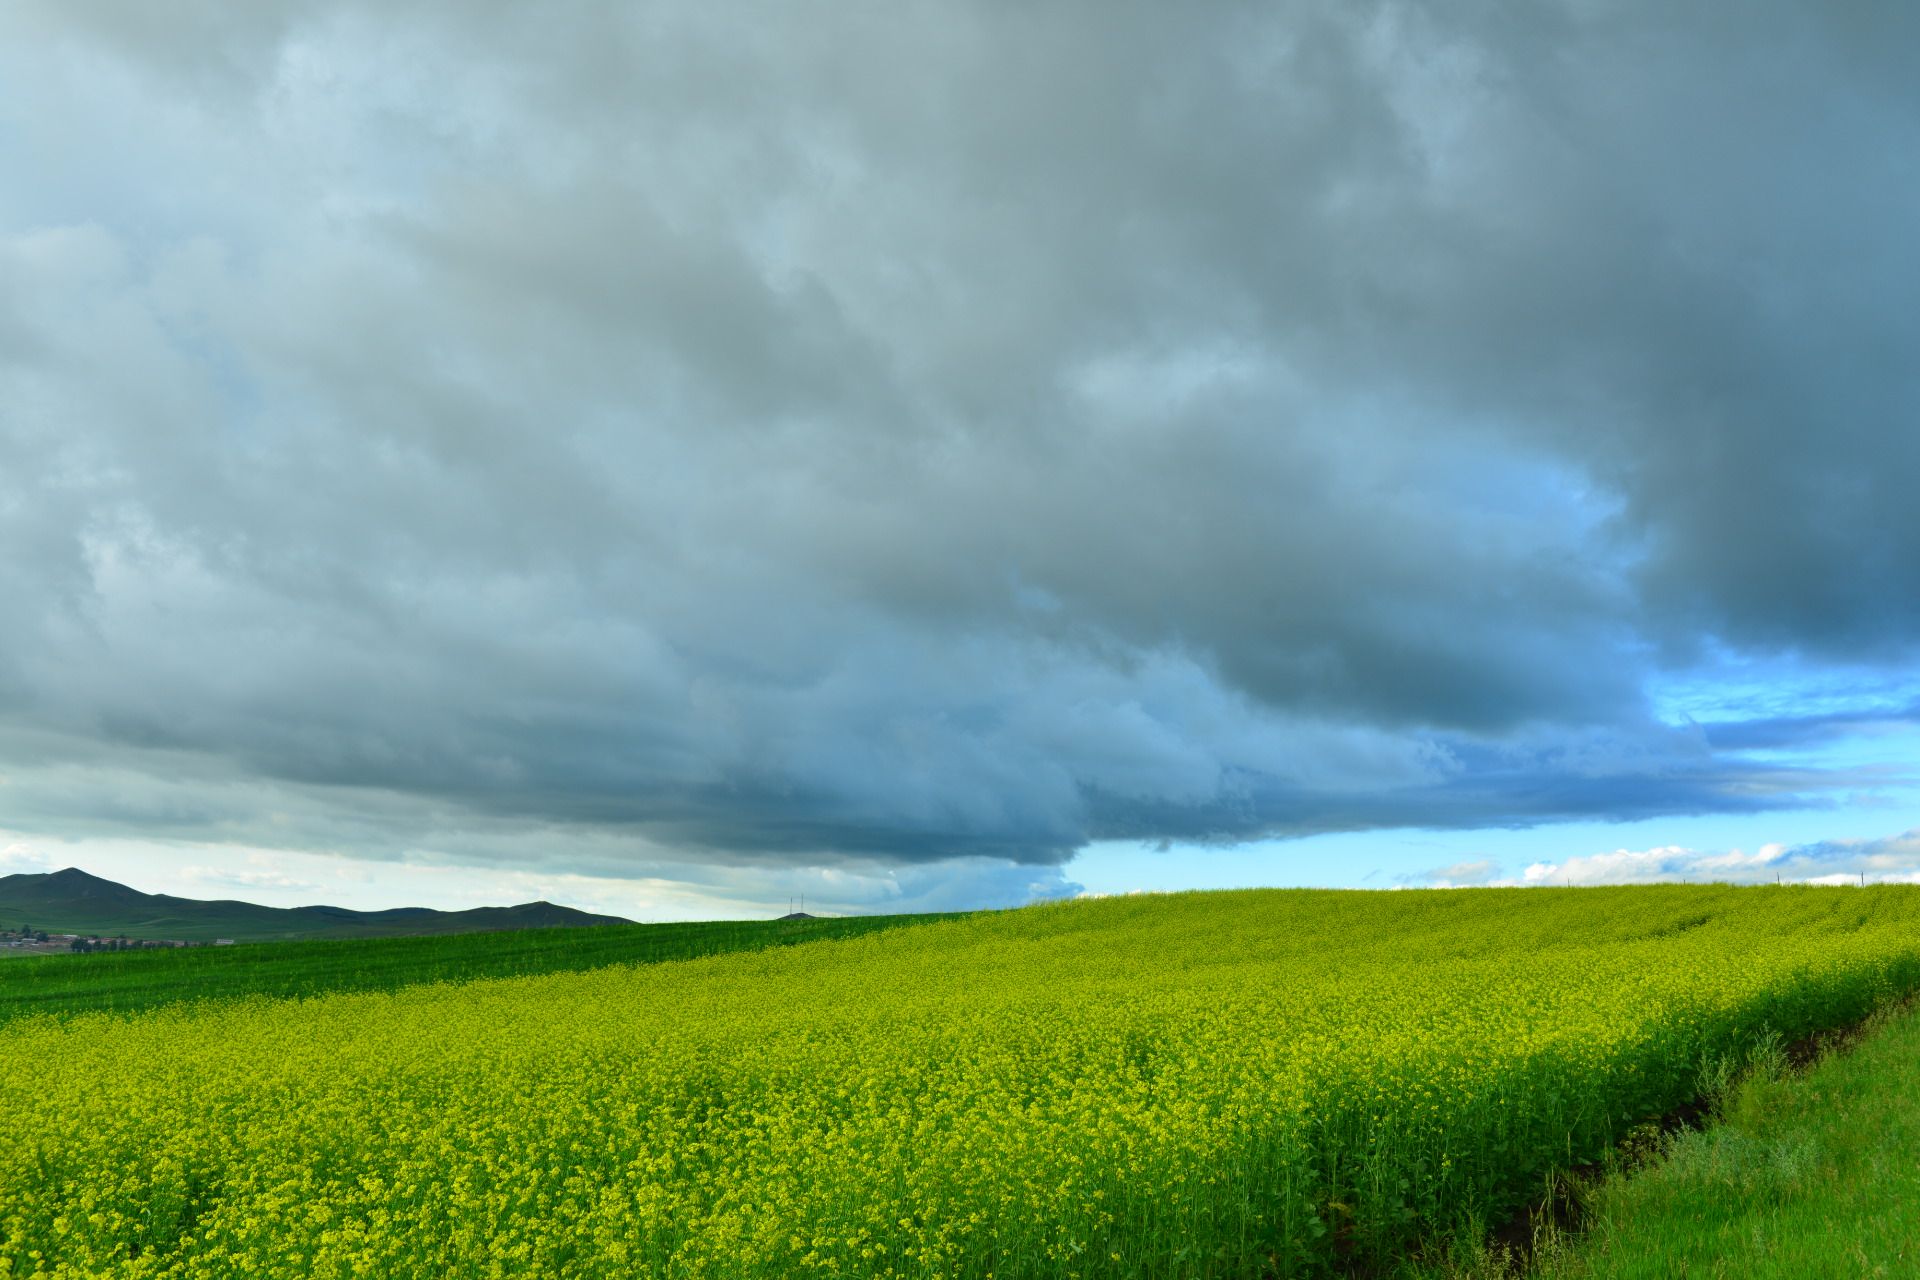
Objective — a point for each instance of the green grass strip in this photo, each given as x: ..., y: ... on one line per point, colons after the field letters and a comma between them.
x: 130, y: 981
x: 1802, y: 1176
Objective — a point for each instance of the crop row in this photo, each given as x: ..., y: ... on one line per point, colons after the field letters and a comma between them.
x: 127, y: 981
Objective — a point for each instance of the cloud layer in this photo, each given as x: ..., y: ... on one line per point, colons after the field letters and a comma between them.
x: 1894, y: 859
x: 634, y: 439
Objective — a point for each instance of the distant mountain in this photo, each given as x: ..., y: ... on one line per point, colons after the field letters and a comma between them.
x: 71, y: 901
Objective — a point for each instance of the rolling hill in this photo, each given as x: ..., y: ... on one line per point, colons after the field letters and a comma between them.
x: 71, y: 901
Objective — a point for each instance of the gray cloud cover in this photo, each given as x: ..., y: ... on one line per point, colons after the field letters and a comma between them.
x: 641, y: 437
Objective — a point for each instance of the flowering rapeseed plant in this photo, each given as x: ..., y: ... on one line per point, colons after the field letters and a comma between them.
x: 1205, y: 1084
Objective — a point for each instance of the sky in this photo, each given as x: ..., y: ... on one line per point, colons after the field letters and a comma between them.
x: 675, y: 458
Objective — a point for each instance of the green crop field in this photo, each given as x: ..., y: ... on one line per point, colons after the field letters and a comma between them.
x: 130, y: 980
x: 1225, y: 1084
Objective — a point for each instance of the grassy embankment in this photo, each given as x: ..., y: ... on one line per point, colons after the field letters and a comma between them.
x: 124, y: 982
x: 1802, y: 1175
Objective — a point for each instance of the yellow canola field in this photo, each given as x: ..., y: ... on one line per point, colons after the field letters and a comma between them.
x: 1229, y: 1084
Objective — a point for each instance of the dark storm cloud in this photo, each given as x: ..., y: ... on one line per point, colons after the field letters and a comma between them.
x: 1801, y: 731
x: 920, y: 431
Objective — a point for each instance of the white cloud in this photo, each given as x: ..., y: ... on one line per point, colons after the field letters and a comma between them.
x: 22, y: 857
x: 258, y: 873
x: 662, y: 891
x: 1460, y: 875
x: 1887, y: 859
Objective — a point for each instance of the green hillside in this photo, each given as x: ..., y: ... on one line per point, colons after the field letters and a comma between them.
x: 133, y: 980
x: 71, y: 901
